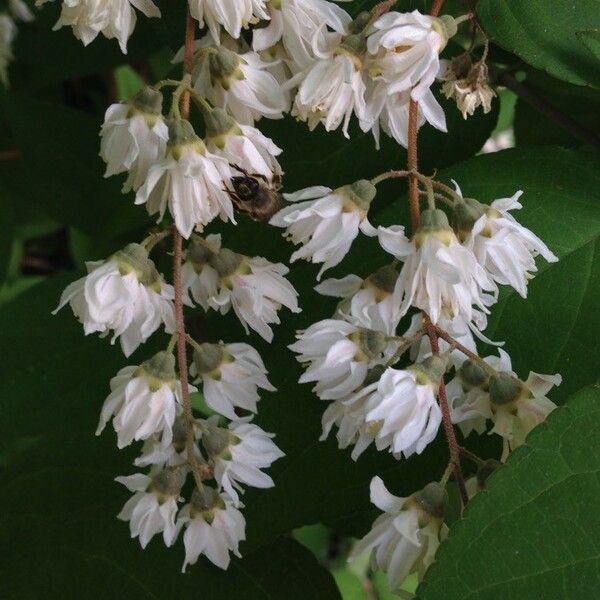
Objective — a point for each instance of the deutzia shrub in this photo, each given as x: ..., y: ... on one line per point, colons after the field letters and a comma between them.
x: 397, y: 360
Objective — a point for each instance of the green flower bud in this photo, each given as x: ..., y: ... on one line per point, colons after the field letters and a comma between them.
x: 473, y: 375
x: 504, y: 389
x: 433, y: 499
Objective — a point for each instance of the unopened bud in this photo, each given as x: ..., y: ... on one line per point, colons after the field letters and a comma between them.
x: 504, y: 388
x: 433, y: 499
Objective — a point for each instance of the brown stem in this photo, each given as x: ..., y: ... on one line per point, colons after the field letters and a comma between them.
x: 453, y: 446
x: 543, y: 106
x: 436, y: 7
x: 471, y: 456
x: 413, y: 182
x: 10, y: 155
x: 177, y: 257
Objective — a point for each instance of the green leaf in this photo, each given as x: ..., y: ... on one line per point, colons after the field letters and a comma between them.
x: 544, y: 33
x: 128, y: 83
x: 65, y: 175
x: 590, y: 38
x: 532, y: 128
x: 534, y: 532
x: 7, y: 230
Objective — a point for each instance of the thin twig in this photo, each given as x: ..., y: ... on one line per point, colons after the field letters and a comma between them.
x: 461, y: 348
x: 543, y: 106
x: 471, y: 456
x: 436, y: 7
x: 177, y: 257
x: 10, y: 155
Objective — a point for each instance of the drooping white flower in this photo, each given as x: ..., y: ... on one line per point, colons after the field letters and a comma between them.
x: 189, y: 180
x: 255, y: 288
x: 239, y: 83
x: 369, y: 300
x: 232, y: 16
x: 167, y: 450
x: 200, y: 281
x: 514, y: 406
x: 506, y: 249
x: 296, y: 24
x: 134, y: 137
x: 125, y: 294
x: 332, y: 88
x: 143, y: 401
x: 213, y: 527
x: 326, y: 221
x: 439, y: 275
x: 340, y: 354
x: 468, y: 85
x: 153, y: 507
x: 405, y: 538
x: 238, y: 454
x: 231, y: 375
x: 112, y: 18
x: 243, y: 146
x: 405, y: 48
x: 404, y: 411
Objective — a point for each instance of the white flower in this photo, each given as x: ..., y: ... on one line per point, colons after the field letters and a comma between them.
x: 143, y: 401
x: 112, y: 18
x: 332, y: 89
x: 243, y: 146
x: 238, y: 454
x: 340, y: 355
x: 240, y: 84
x: 190, y: 180
x: 8, y: 32
x: 199, y: 279
x: 231, y: 375
x: 327, y: 222
x: 514, y: 406
x: 255, y: 288
x: 124, y: 293
x: 134, y: 137
x: 404, y: 411
x: 296, y: 23
x: 370, y: 300
x: 153, y: 507
x: 232, y: 15
x: 389, y: 110
x: 506, y: 249
x: 20, y: 11
x: 406, y: 49
x: 214, y: 527
x: 439, y: 275
x: 406, y: 537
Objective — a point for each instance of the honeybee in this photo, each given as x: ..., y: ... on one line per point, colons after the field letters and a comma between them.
x: 255, y: 194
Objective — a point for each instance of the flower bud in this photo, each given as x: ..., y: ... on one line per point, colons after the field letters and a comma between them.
x: 472, y: 375
x: 167, y: 483
x: 433, y: 499
x: 203, y: 503
x: 504, y: 389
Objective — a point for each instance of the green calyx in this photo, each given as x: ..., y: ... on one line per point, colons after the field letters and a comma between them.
x: 204, y: 502
x: 158, y: 370
x: 374, y: 375
x: 182, y: 136
x: 354, y: 46
x: 464, y: 216
x: 370, y: 344
x: 433, y: 221
x: 227, y: 262
x: 167, y: 484
x: 505, y: 389
x: 358, y: 195
x: 148, y: 101
x: 485, y: 470
x: 383, y: 280
x: 219, y: 125
x: 446, y: 26
x: 360, y: 22
x: 134, y: 258
x: 433, y: 499
x: 217, y: 440
x: 180, y: 433
x: 473, y: 375
x: 199, y: 255
x: 208, y: 358
x: 223, y: 65
x: 430, y: 371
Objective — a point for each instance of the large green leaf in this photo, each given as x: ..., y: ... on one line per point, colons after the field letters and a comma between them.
x: 546, y: 34
x: 534, y: 532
